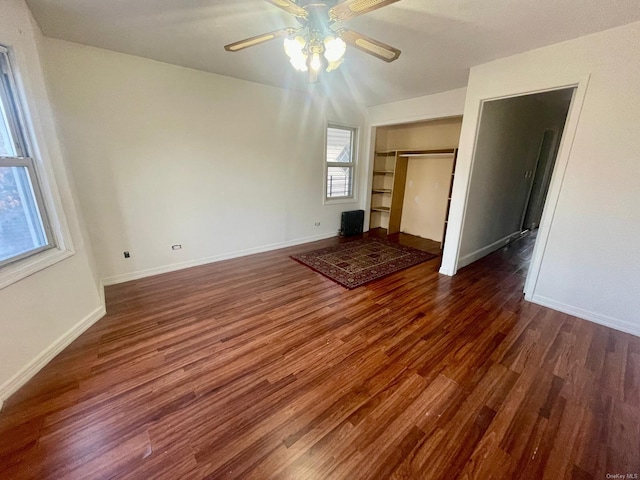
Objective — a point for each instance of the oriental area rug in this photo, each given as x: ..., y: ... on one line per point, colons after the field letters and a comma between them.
x: 352, y: 264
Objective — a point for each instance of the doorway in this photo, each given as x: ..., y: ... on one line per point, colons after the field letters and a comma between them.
x: 517, y: 143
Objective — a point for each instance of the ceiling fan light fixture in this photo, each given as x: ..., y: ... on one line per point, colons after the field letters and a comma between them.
x: 315, y: 64
x: 306, y: 53
x: 334, y: 49
x: 294, y: 48
x: 333, y: 65
x: 299, y: 62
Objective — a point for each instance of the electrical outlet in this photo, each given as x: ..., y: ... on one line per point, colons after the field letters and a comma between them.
x: 126, y: 254
x: 176, y: 247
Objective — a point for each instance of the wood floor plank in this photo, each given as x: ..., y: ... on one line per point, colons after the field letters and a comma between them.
x: 260, y: 368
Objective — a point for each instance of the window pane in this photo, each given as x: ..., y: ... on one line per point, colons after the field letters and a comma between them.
x: 339, y: 181
x: 7, y: 146
x: 21, y: 228
x: 339, y: 145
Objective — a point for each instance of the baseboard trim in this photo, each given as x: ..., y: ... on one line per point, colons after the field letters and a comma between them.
x: 484, y: 251
x: 127, y: 277
x: 27, y: 372
x: 605, y: 320
x: 103, y: 300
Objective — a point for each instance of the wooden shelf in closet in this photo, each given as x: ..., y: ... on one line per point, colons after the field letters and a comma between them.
x: 384, y: 188
x: 453, y: 174
x: 381, y: 209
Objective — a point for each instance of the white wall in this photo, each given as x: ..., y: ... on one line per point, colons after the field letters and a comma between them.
x: 42, y: 312
x: 506, y: 152
x: 424, y: 207
x: 167, y: 155
x: 426, y: 135
x: 587, y: 254
x: 438, y: 105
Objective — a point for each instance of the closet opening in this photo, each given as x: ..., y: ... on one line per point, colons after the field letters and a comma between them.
x: 412, y: 178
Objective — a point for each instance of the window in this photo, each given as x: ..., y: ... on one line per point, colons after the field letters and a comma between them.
x: 340, y: 162
x: 24, y: 227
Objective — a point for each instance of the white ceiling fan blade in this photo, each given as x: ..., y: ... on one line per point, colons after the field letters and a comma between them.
x: 352, y: 8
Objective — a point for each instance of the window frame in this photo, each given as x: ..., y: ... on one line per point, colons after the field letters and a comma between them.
x: 352, y: 164
x: 23, y: 128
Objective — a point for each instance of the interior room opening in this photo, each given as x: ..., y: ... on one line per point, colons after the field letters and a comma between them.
x: 516, y: 149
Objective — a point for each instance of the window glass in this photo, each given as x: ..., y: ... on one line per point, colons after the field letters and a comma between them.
x: 339, y: 145
x: 21, y: 228
x: 7, y: 145
x: 339, y: 162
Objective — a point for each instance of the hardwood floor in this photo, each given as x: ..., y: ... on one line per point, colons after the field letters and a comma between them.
x: 260, y: 368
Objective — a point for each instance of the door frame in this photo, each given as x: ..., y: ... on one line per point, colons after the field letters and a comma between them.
x: 464, y: 176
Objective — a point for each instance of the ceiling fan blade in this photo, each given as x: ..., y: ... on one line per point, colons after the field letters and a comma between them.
x: 289, y: 7
x: 352, y: 8
x: 369, y: 45
x: 258, y: 39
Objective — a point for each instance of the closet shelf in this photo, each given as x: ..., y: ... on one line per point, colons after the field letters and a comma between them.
x: 386, y: 153
x: 381, y: 209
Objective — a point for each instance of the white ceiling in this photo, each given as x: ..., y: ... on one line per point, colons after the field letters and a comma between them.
x: 440, y: 39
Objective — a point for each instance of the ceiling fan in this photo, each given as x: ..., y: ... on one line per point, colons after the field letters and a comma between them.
x: 318, y: 43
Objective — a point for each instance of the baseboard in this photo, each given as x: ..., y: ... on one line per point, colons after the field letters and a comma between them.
x: 484, y: 251
x: 25, y: 374
x: 126, y: 277
x: 605, y: 320
x: 103, y: 300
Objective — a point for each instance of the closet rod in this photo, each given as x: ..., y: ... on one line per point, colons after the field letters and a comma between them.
x: 443, y: 155
x: 423, y: 153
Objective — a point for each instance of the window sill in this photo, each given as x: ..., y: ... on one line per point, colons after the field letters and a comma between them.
x: 15, y: 272
x: 332, y: 201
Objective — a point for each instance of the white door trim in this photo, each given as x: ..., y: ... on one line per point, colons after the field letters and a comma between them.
x: 555, y: 187
x: 460, y: 197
